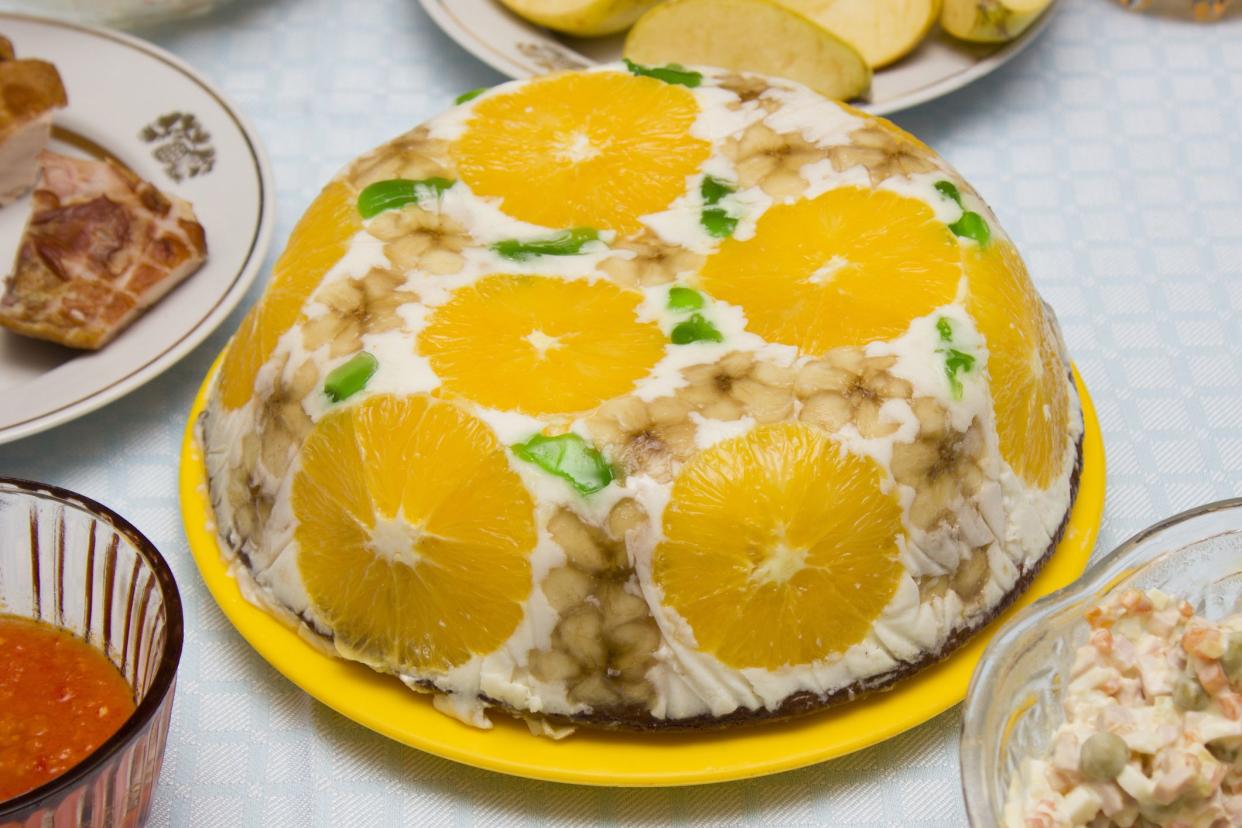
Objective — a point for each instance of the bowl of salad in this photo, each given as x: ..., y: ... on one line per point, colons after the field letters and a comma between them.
x: 1118, y: 700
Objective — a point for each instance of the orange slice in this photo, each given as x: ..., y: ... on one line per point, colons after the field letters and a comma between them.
x: 540, y: 345
x: 592, y: 149
x: 1029, y: 381
x: 780, y: 548
x: 845, y: 268
x: 318, y: 242
x: 413, y: 533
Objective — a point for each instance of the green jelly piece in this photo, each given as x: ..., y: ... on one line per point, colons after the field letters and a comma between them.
x: 716, y: 220
x: 949, y: 190
x: 683, y: 298
x: 570, y: 458
x: 469, y: 96
x: 395, y: 193
x: 945, y: 327
x: 673, y: 73
x: 713, y: 189
x: 350, y: 376
x: 695, y: 329
x: 718, y: 223
x: 956, y: 362
x: 972, y: 226
x: 565, y: 243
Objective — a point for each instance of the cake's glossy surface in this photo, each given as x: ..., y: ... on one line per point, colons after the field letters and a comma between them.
x: 689, y: 405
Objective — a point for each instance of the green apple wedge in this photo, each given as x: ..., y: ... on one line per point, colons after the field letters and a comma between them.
x: 883, y: 31
x: 749, y: 35
x: 990, y: 21
x: 584, y: 18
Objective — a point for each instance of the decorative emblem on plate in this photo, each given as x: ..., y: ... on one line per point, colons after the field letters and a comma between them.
x: 548, y: 58
x: 182, y: 145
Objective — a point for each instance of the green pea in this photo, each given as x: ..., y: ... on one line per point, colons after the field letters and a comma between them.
x: 1103, y: 757
x: 1231, y: 661
x: 1223, y: 753
x: 1188, y: 694
x: 350, y: 376
x: 1155, y: 815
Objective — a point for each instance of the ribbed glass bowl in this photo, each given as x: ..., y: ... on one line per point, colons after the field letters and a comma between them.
x: 68, y: 561
x: 1014, y: 701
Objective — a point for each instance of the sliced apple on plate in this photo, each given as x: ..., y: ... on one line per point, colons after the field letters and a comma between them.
x: 749, y: 35
x: 990, y: 21
x: 584, y: 18
x: 883, y: 31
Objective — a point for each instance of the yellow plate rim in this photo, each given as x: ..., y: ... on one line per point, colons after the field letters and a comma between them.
x: 384, y: 705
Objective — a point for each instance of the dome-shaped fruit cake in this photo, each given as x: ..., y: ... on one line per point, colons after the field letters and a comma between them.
x: 644, y: 398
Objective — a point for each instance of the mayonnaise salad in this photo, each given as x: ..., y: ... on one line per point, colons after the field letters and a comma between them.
x: 1153, y: 725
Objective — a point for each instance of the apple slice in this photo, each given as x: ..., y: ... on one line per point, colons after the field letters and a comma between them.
x: 585, y: 18
x: 883, y: 31
x: 749, y: 35
x: 990, y: 21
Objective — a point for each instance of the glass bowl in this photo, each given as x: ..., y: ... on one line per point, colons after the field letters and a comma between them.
x: 1014, y: 701
x: 68, y: 561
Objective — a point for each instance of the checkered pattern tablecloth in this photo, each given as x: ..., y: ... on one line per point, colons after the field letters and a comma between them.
x: 1110, y: 149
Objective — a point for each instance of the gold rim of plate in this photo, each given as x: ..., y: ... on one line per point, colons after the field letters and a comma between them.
x: 384, y: 705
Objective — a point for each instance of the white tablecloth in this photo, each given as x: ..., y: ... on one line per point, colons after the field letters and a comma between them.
x: 1111, y: 150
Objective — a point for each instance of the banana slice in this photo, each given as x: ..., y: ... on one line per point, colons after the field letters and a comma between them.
x: 990, y: 21
x: 883, y: 31
x: 585, y: 18
x: 749, y: 35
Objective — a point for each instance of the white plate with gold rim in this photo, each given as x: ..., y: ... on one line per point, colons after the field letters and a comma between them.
x: 182, y: 135
x: 519, y: 49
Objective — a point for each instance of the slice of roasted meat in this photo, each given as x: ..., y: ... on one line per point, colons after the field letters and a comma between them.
x: 101, y: 246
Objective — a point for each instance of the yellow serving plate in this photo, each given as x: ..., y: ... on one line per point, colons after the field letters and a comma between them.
x: 384, y: 705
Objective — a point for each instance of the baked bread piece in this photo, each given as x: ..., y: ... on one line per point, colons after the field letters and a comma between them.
x: 644, y: 402
x: 29, y: 91
x: 101, y: 246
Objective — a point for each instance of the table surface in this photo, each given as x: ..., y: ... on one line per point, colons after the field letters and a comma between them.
x: 1111, y: 151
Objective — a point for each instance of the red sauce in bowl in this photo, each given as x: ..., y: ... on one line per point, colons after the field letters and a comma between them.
x: 60, y: 699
